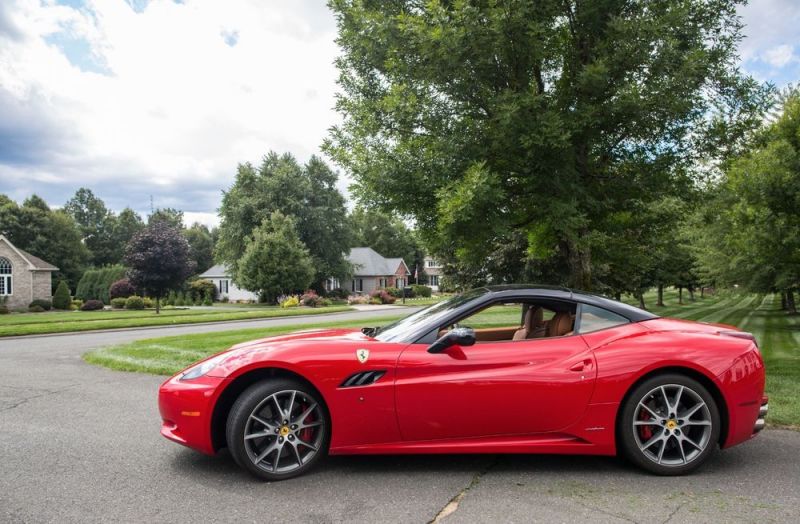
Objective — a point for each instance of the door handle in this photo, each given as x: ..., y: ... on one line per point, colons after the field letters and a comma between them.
x: 580, y: 366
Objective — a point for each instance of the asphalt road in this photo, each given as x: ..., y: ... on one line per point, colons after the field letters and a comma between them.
x: 80, y: 443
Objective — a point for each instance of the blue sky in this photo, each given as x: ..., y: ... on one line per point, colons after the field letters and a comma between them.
x: 134, y: 98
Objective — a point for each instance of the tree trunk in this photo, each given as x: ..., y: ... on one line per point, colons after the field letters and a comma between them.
x: 618, y: 296
x: 790, y: 302
x: 702, y: 292
x: 680, y: 295
x: 640, y: 296
x: 158, y: 304
x: 660, y: 302
x: 580, y: 264
x: 783, y: 300
x: 691, y: 292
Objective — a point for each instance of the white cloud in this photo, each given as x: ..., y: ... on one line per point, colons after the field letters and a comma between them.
x: 192, y: 89
x: 779, y: 56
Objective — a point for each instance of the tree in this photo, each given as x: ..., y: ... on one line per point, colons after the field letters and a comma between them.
x: 481, y: 120
x: 201, y: 246
x: 158, y: 258
x: 50, y: 235
x: 307, y: 193
x: 387, y: 235
x: 172, y: 216
x: 97, y: 224
x: 62, y: 298
x: 127, y: 224
x: 275, y: 260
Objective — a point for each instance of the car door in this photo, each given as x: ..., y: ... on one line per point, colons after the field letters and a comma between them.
x: 493, y: 388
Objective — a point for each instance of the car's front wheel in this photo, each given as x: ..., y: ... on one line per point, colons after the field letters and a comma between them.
x: 278, y: 429
x: 670, y: 425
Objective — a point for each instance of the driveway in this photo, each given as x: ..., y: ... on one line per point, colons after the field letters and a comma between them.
x: 80, y: 443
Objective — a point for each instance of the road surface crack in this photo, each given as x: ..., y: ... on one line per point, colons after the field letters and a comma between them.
x: 43, y: 393
x: 452, y: 504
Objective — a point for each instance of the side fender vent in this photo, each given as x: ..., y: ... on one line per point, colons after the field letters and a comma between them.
x: 363, y: 378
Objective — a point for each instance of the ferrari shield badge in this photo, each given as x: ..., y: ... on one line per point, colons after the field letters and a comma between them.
x: 362, y: 355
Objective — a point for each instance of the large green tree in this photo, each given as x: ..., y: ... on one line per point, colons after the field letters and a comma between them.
x: 387, y: 235
x: 490, y: 122
x: 275, y: 260
x: 97, y: 224
x: 306, y: 193
x: 201, y: 246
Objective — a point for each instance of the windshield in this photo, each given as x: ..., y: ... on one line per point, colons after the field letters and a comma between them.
x: 428, y: 316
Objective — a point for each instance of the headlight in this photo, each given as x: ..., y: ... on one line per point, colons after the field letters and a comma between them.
x: 202, y: 368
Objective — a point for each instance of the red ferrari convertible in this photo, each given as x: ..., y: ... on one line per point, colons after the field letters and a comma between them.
x: 506, y: 369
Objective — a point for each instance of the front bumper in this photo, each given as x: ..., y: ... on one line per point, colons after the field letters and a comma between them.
x: 186, y: 409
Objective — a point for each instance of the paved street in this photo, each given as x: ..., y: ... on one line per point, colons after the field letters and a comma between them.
x: 80, y: 443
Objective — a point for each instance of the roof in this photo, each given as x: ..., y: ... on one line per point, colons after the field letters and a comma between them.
x: 217, y: 270
x: 368, y: 262
x: 35, y: 263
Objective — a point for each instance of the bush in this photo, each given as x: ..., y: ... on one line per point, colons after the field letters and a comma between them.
x: 179, y: 299
x: 421, y: 291
x: 200, y: 288
x: 149, y: 303
x: 76, y: 303
x: 96, y: 283
x: 375, y: 301
x: 121, y: 289
x: 42, y: 303
x: 396, y: 293
x: 92, y: 305
x: 338, y: 293
x: 358, y: 299
x: 4, y: 309
x: 209, y: 299
x: 382, y: 295
x: 61, y: 298
x: 311, y: 299
x: 290, y: 301
x: 35, y: 308
x: 134, y: 302
x: 225, y: 299
x: 325, y: 302
x: 118, y: 303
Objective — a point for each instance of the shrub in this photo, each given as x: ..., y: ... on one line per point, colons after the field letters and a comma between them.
x: 149, y: 303
x: 170, y: 300
x: 92, y: 305
x: 200, y: 288
x: 209, y: 299
x: 338, y: 293
x: 121, y: 289
x: 35, y: 308
x: 76, y: 303
x: 421, y: 291
x: 311, y: 299
x: 290, y: 301
x: 179, y: 299
x: 61, y: 298
x: 383, y: 296
x: 325, y: 302
x: 358, y: 299
x: 375, y: 301
x: 118, y: 303
x: 96, y: 283
x: 396, y: 293
x: 134, y: 302
x: 4, y: 309
x: 225, y: 299
x: 42, y: 303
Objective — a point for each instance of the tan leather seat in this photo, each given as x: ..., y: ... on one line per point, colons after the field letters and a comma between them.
x: 560, y: 325
x: 532, y: 321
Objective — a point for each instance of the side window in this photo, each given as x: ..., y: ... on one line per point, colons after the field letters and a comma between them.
x: 595, y: 318
x: 517, y: 321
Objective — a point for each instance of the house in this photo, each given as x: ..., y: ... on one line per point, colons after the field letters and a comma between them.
x: 23, y: 277
x: 221, y: 278
x: 372, y: 271
x: 433, y: 269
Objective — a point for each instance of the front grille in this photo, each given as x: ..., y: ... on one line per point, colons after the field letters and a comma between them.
x: 363, y: 378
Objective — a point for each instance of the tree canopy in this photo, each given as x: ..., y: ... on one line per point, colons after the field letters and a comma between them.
x: 526, y: 126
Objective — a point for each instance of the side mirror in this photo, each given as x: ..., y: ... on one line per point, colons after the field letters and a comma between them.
x: 462, y: 336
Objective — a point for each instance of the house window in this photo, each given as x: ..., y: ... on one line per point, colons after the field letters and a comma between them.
x: 381, y: 282
x: 433, y: 280
x: 431, y: 263
x: 5, y: 277
x: 223, y: 286
x: 401, y: 283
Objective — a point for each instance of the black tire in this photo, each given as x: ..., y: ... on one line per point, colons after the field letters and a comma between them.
x: 243, y: 417
x: 677, y: 438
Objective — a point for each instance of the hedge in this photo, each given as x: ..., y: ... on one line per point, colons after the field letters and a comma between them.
x: 95, y: 283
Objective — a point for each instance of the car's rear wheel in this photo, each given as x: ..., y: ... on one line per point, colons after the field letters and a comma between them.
x: 670, y: 425
x: 278, y: 429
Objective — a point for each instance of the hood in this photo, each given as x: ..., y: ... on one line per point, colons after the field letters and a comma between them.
x: 350, y: 334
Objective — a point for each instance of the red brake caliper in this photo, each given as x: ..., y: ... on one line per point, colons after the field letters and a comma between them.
x: 305, y: 433
x: 645, y: 432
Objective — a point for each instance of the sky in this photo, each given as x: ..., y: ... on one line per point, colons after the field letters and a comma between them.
x: 163, y: 98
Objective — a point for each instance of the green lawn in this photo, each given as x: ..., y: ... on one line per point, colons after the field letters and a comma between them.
x: 778, y: 335
x: 68, y: 321
x: 167, y: 355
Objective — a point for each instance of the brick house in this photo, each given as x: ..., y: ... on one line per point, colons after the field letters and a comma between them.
x: 23, y: 277
x: 372, y: 271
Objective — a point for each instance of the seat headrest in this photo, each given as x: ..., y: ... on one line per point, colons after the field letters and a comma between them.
x: 559, y: 325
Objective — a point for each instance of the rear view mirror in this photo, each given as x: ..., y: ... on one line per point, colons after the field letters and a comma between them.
x: 461, y: 336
